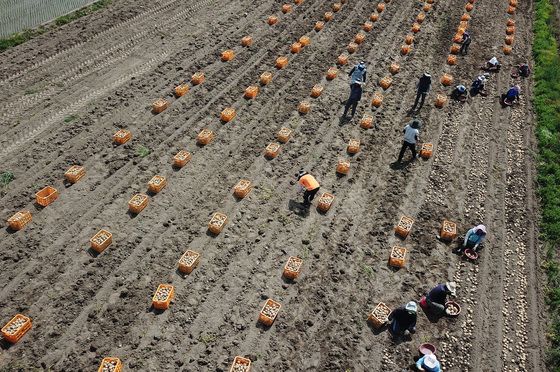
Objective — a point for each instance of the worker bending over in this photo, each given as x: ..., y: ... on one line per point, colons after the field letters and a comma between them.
x: 308, y: 184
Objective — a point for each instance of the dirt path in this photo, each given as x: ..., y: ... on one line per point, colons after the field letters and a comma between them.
x: 90, y: 307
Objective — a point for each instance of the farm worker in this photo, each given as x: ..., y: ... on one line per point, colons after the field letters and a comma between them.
x: 465, y: 42
x: 459, y: 93
x: 428, y: 363
x: 423, y: 88
x: 355, y: 97
x: 524, y: 69
x: 474, y: 237
x: 512, y: 94
x: 358, y: 73
x: 411, y: 136
x: 493, y: 64
x: 404, y: 319
x: 437, y: 297
x: 308, y: 184
x: 479, y: 83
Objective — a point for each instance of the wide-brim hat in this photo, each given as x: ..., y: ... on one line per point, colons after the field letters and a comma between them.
x: 430, y: 361
x: 411, y: 306
x: 451, y: 287
x: 481, y: 228
x: 300, y: 174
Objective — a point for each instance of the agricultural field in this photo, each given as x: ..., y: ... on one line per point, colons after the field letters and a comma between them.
x: 198, y: 270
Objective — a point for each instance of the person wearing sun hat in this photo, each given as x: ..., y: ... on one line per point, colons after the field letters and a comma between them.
x: 474, y: 238
x: 428, y: 363
x: 422, y: 89
x: 403, y: 319
x: 437, y: 297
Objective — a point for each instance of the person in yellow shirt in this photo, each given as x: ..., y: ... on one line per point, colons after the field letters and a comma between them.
x: 308, y: 184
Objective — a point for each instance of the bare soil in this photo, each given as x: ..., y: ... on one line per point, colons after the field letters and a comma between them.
x: 67, y: 92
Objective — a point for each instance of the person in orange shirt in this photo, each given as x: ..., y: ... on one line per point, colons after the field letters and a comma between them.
x: 309, y: 184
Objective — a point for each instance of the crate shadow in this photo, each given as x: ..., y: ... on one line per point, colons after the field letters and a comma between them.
x: 92, y: 252
x: 379, y: 330
x: 298, y: 208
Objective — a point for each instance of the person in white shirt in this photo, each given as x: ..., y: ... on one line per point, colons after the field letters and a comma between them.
x: 411, y: 136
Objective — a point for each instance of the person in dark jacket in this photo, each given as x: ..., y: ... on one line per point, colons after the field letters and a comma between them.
x: 404, y: 319
x: 437, y: 297
x: 355, y: 97
x: 423, y: 87
x: 465, y: 42
x: 358, y: 73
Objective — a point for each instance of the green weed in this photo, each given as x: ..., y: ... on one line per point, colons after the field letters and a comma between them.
x: 142, y: 151
x: 70, y: 118
x: 6, y: 178
x: 207, y: 338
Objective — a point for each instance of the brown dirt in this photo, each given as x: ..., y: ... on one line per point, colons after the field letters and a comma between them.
x: 66, y: 93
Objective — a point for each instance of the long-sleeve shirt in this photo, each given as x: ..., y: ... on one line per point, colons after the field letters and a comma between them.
x: 404, y: 318
x: 424, y: 84
x: 358, y: 75
x: 473, y: 238
x: 420, y: 364
x: 512, y: 94
x: 438, y: 294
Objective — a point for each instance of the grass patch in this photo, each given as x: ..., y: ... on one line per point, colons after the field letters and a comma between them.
x: 547, y: 107
x: 6, y: 178
x: 142, y: 151
x: 28, y: 34
x: 70, y: 118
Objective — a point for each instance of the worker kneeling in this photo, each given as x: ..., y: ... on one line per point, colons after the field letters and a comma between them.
x: 511, y: 96
x: 474, y: 238
x: 435, y: 300
x: 403, y: 319
x: 308, y: 184
x: 459, y: 93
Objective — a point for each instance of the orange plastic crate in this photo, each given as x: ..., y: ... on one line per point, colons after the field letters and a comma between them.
x: 386, y: 82
x: 188, y: 261
x: 342, y: 59
x: 217, y: 223
x: 242, y: 188
x: 205, y: 137
x: 440, y: 101
x: 448, y: 230
x: 380, y: 7
x: 510, y: 30
x: 298, y: 2
x: 359, y: 38
x: 509, y: 40
x: 455, y: 48
x: 266, y: 77
x: 446, y: 80
x: 281, y: 62
x: 272, y: 150
x: 292, y: 268
x: 409, y: 39
x: 427, y: 150
x: 246, y: 41
x: 394, y: 68
x: 367, y: 27
x: 304, y: 107
x: 100, y: 241
x: 46, y: 196
x: 304, y: 41
x: 405, y: 49
x: 228, y: 114
x: 352, y: 47
x: 427, y: 7
x: 251, y: 92
x: 374, y: 17
x: 331, y: 73
x: 466, y: 17
x: 74, y: 173
x: 181, y: 158
x: 420, y: 17
x: 284, y: 134
x: 286, y: 8
x: 269, y: 312
x: 397, y: 258
x: 122, y: 136
x: 379, y: 316
x: 227, y: 55
x: 272, y: 20
x: 181, y: 90
x: 325, y: 202
x: 16, y: 328
x: 19, y: 220
x: 156, y: 184
x: 240, y: 364
x: 336, y: 7
x: 328, y: 16
x: 377, y: 99
x: 415, y: 27
x: 160, y: 105
x: 198, y: 78
x: 510, y: 22
x: 404, y: 226
x: 506, y: 49
x: 451, y: 60
x: 110, y: 364
x: 469, y: 7
x: 137, y: 203
x: 163, y: 296
x: 296, y: 47
x: 366, y: 122
x: 353, y: 146
x: 343, y: 166
x: 319, y: 25
x: 316, y: 91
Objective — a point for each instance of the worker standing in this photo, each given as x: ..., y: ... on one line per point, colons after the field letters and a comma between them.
x: 423, y: 88
x: 358, y: 76
x: 308, y: 184
x: 465, y: 42
x: 411, y: 136
x: 358, y: 73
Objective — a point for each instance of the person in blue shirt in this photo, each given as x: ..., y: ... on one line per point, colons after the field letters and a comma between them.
x: 358, y: 73
x: 428, y: 363
x: 474, y: 238
x: 512, y: 94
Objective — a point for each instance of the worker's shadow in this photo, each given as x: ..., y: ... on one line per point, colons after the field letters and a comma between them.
x: 401, y: 165
x: 299, y: 208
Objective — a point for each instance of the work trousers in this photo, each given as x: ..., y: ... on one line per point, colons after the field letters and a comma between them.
x: 420, y: 96
x: 309, y: 195
x: 407, y: 145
